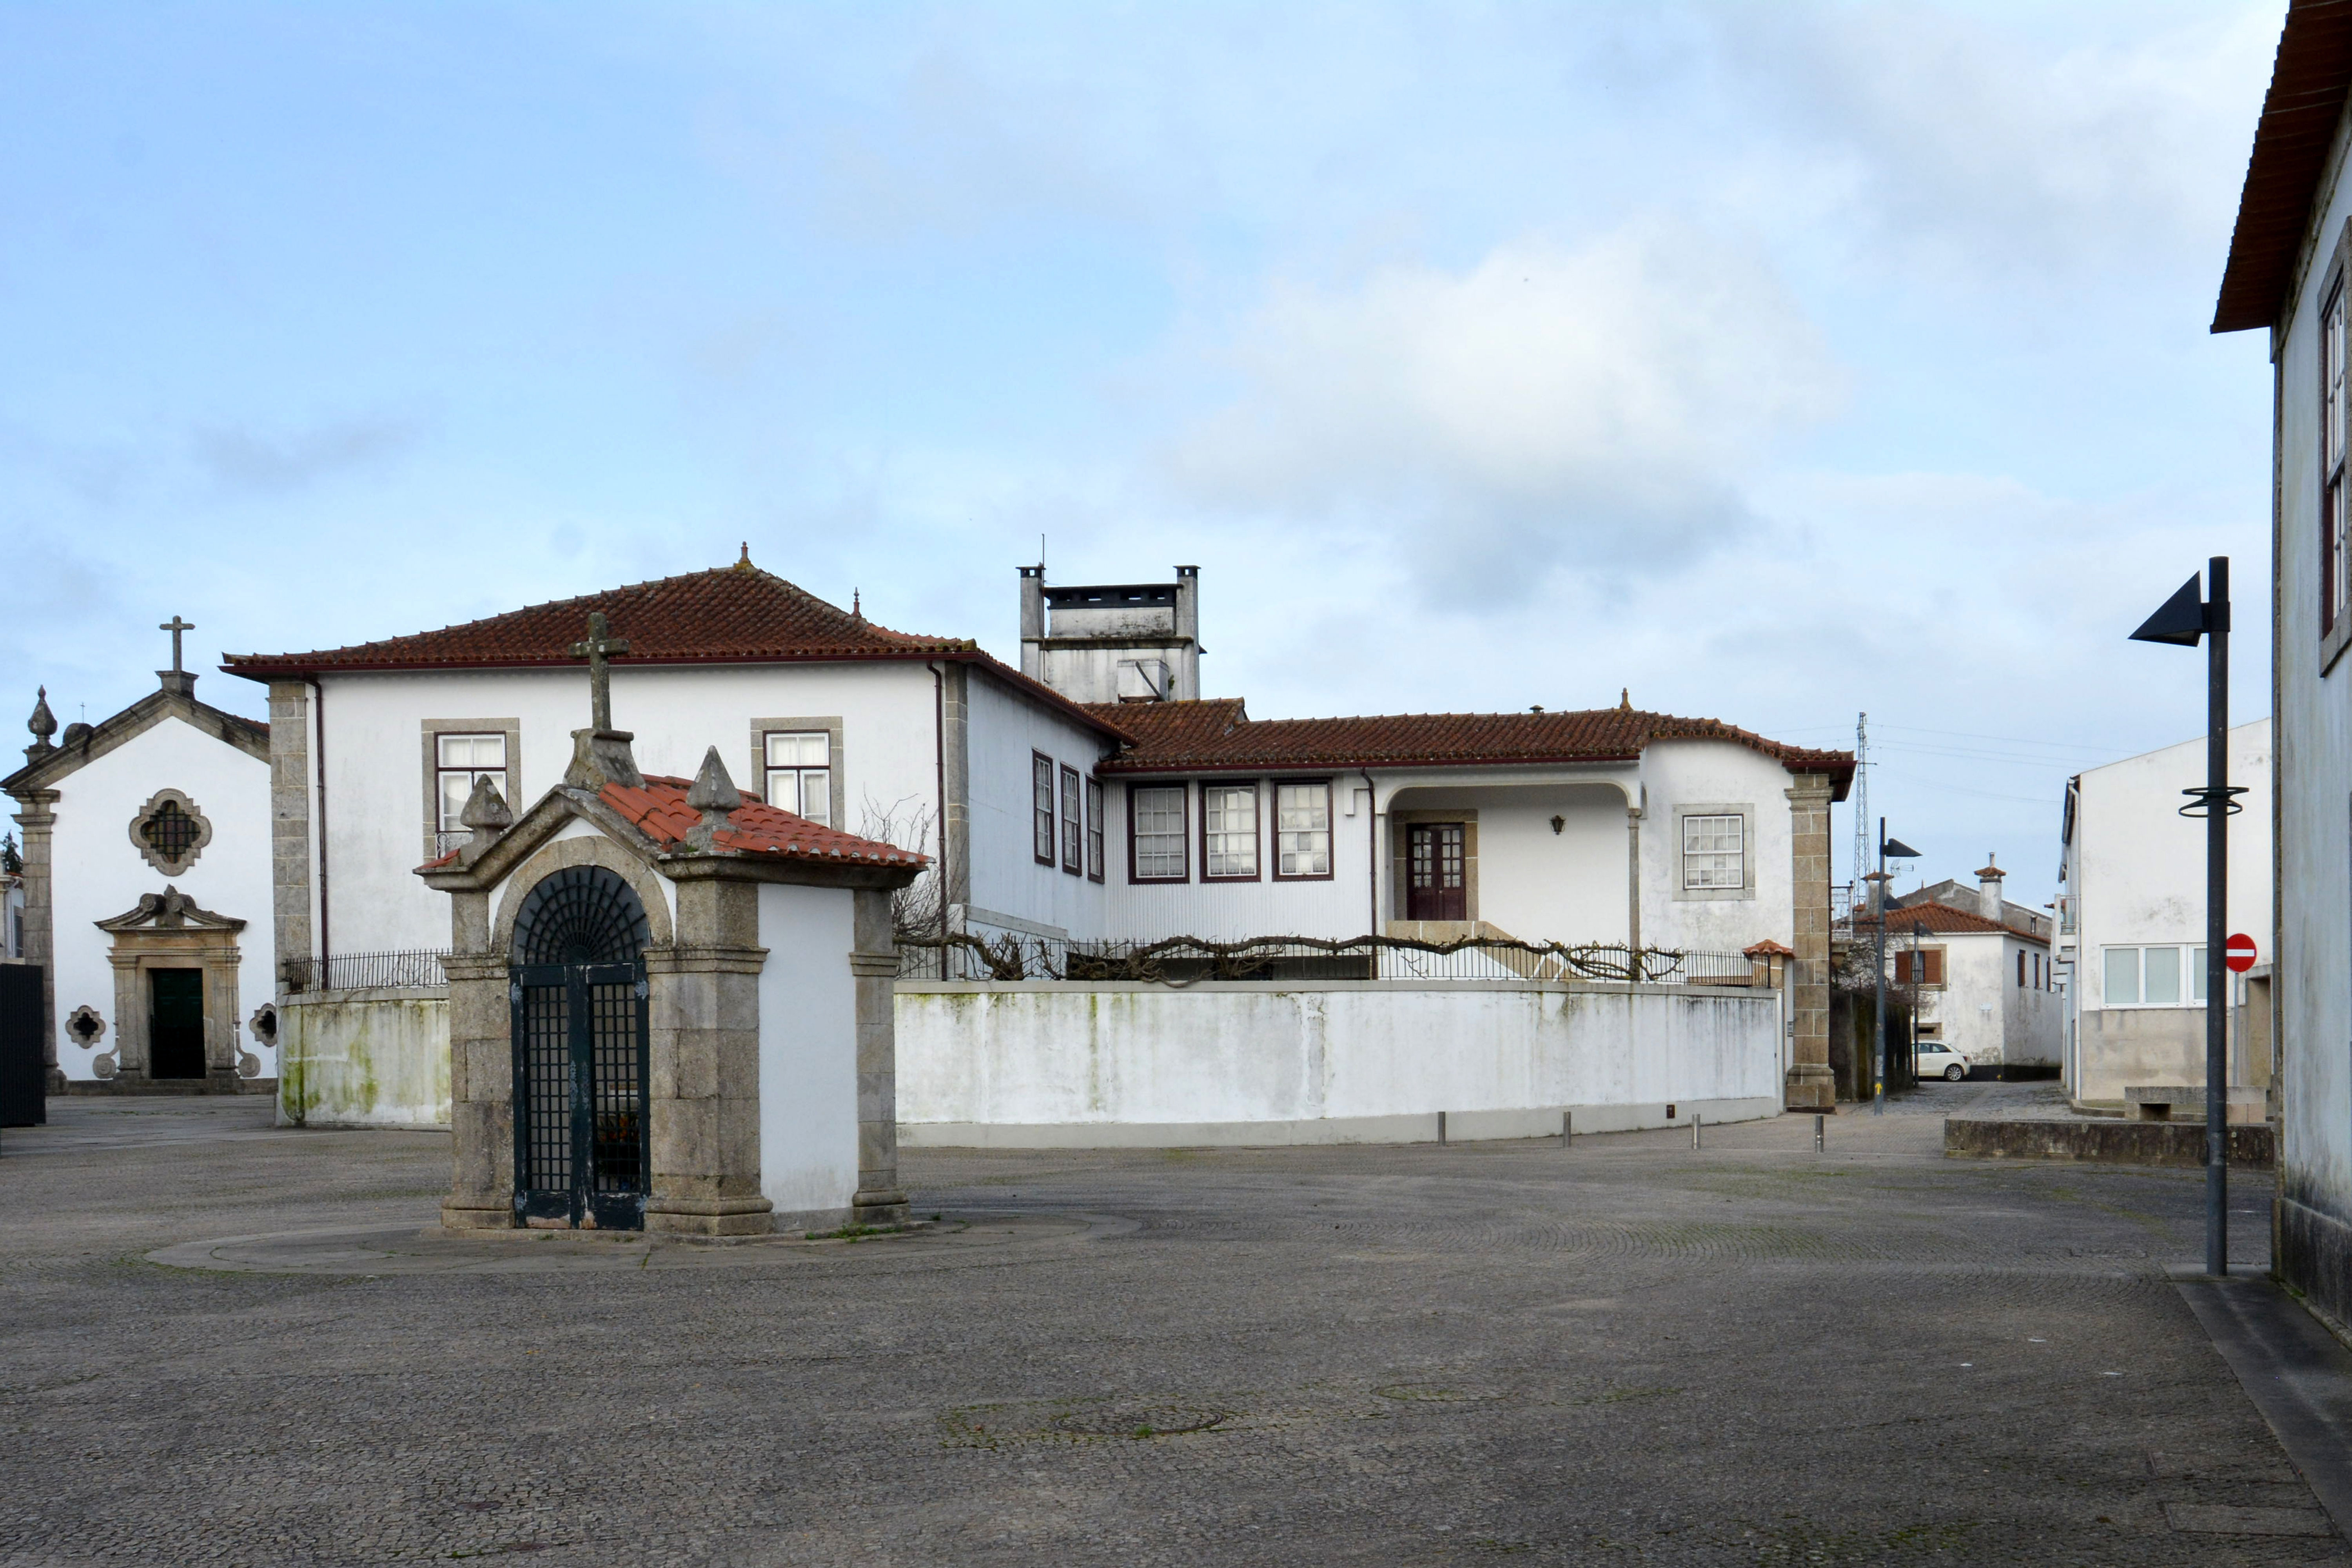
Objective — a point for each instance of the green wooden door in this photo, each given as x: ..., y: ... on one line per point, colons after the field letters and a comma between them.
x: 175, y: 1023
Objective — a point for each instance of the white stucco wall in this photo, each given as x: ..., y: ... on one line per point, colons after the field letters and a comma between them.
x: 98, y: 874
x: 376, y: 796
x: 1984, y: 1014
x: 2313, y: 761
x: 1006, y: 730
x: 1701, y: 772
x: 1534, y: 883
x: 1331, y: 909
x: 2135, y: 877
x: 808, y: 1051
x: 1040, y: 1065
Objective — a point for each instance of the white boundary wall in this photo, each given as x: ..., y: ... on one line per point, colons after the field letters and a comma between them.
x: 1047, y: 1065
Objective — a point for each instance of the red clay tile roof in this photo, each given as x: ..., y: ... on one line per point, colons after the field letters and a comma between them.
x: 731, y: 615
x: 1938, y: 918
x: 659, y: 811
x: 1215, y: 735
x: 2309, y: 81
x: 1767, y: 948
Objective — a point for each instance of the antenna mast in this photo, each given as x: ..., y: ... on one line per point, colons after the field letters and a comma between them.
x: 1862, y: 862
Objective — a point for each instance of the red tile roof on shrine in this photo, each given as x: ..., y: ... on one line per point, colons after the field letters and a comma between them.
x: 659, y: 811
x: 1218, y: 735
x: 731, y: 615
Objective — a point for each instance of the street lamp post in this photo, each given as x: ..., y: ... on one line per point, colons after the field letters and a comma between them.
x: 2184, y: 620
x: 1901, y: 851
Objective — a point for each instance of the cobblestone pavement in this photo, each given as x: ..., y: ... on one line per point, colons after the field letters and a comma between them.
x: 1621, y: 1351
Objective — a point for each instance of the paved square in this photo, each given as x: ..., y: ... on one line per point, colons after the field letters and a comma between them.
x: 1622, y: 1352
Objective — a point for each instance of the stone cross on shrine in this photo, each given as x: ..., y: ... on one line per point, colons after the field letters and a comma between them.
x: 176, y: 679
x: 599, y: 645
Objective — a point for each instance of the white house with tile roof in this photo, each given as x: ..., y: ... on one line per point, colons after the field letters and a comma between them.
x: 1980, y: 967
x: 1056, y: 816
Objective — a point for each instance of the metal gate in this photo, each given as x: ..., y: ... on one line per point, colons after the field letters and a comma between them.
x: 24, y: 1086
x: 579, y: 1094
x: 578, y: 993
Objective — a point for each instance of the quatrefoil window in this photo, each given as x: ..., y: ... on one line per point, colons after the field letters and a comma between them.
x: 170, y: 832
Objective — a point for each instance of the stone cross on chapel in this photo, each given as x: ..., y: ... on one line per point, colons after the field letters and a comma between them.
x: 599, y: 645
x: 176, y: 680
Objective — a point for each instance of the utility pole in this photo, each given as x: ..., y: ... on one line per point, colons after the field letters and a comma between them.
x: 2181, y: 622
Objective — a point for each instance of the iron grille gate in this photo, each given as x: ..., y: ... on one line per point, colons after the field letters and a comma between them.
x: 579, y: 1094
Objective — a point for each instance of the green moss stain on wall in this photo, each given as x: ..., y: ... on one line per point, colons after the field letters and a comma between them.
x: 372, y: 1063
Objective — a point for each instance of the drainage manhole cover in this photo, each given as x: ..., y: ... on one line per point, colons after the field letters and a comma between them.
x: 1139, y: 1420
x: 1441, y: 1393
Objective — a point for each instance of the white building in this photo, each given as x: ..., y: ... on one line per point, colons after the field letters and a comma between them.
x: 2131, y: 911
x: 2286, y: 273
x: 1985, y: 986
x: 146, y: 895
x: 1139, y: 815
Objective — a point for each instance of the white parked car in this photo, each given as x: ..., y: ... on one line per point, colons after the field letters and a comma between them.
x: 1937, y: 1059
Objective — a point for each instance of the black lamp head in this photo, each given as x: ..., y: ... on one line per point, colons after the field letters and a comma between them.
x: 2180, y: 622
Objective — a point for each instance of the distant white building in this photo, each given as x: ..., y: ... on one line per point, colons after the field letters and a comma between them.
x: 145, y: 895
x: 1981, y: 965
x: 2131, y: 925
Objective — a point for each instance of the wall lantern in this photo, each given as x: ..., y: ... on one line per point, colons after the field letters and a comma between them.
x: 1556, y: 824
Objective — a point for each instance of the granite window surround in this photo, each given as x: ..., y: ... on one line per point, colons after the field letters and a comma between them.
x: 837, y: 760
x: 1746, y: 812
x: 429, y: 753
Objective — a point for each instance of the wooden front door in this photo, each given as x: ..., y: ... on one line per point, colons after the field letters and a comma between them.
x: 175, y: 1023
x: 1436, y: 887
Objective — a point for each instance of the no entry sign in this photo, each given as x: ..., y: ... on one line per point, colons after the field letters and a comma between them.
x: 2239, y: 953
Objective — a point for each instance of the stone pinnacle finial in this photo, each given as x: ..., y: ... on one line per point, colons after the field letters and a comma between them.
x: 714, y: 794
x: 43, y: 723
x: 857, y: 607
x: 743, y: 562
x: 1624, y: 699
x: 485, y: 810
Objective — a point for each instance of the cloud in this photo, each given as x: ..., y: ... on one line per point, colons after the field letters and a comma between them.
x: 246, y: 462
x: 2000, y: 149
x: 1597, y: 404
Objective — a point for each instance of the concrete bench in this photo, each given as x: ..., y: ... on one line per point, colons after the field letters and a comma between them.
x: 2185, y: 1102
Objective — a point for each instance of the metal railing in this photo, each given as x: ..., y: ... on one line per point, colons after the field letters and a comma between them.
x: 407, y: 970
x: 1186, y: 960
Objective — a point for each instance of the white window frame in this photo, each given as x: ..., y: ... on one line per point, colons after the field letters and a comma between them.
x: 1221, y: 839
x: 1044, y: 782
x: 1293, y: 844
x: 440, y: 838
x: 797, y: 774
x: 1182, y: 835
x: 2190, y: 956
x: 1746, y: 812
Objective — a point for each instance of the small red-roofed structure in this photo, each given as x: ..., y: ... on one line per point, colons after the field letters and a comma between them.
x: 670, y: 1008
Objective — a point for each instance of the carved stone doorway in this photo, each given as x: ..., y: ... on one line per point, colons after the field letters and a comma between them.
x: 175, y: 998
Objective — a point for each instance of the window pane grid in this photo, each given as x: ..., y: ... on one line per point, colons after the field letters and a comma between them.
x: 1714, y: 852
x: 461, y: 763
x: 1158, y: 818
x: 2162, y: 976
x: 1074, y: 846
x: 1094, y: 830
x: 1302, y: 830
x: 1041, y: 792
x: 1229, y: 830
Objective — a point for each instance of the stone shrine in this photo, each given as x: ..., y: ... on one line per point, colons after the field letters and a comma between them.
x: 669, y: 1005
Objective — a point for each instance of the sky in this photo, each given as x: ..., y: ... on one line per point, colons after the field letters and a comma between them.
x: 1773, y: 363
